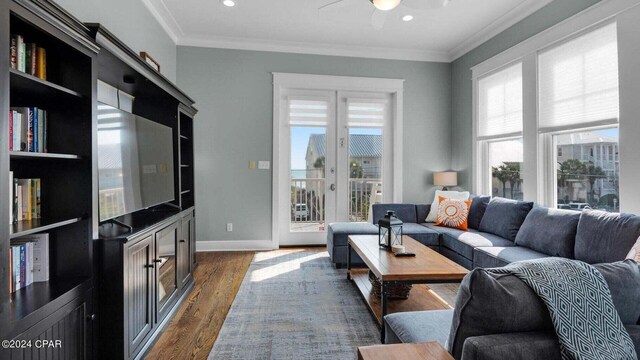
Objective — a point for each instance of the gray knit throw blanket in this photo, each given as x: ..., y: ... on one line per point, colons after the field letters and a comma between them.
x: 579, y: 302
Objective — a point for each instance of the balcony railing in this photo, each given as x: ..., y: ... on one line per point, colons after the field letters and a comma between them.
x: 308, y: 199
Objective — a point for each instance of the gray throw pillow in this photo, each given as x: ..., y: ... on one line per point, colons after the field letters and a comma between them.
x: 550, y: 231
x: 604, y: 237
x: 504, y: 217
x: 495, y: 304
x: 476, y: 211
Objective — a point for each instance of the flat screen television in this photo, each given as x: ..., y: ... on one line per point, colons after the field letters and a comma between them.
x: 135, y: 162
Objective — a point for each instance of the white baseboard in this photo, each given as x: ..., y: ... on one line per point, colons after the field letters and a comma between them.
x: 234, y: 245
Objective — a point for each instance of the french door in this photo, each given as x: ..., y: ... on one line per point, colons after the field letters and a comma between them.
x: 335, y: 159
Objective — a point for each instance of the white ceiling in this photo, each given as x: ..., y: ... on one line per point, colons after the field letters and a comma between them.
x: 297, y: 26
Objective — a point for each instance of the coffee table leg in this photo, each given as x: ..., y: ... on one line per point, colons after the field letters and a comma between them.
x: 383, y: 305
x: 348, y: 261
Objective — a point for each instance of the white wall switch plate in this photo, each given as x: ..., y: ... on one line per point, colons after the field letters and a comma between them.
x: 229, y: 226
x: 264, y: 165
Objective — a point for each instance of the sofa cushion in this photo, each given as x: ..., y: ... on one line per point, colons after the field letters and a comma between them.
x: 488, y: 257
x: 463, y: 242
x: 339, y: 232
x: 422, y: 210
x: 521, y: 345
x: 481, y: 309
x: 418, y: 326
x: 634, y: 333
x: 605, y: 237
x: 476, y: 212
x: 422, y: 234
x: 504, y: 217
x: 404, y: 212
x: 480, y: 305
x: 457, y: 195
x: 549, y: 231
x: 623, y: 279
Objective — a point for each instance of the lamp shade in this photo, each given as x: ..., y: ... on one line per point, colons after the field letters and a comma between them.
x: 445, y: 178
x: 385, y: 5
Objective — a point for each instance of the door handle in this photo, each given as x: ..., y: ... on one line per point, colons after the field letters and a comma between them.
x: 332, y: 187
x: 157, y: 260
x: 148, y: 266
x: 182, y: 241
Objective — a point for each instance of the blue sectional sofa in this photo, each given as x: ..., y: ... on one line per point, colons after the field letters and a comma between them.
x: 502, y: 231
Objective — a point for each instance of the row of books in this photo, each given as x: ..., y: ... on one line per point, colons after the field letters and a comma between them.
x: 28, y: 129
x: 25, y: 201
x: 29, y: 261
x: 28, y: 57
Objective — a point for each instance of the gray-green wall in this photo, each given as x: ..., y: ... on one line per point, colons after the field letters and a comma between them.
x: 461, y: 135
x: 132, y: 23
x: 233, y: 91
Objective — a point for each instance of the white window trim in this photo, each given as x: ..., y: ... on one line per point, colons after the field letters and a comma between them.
x: 536, y: 179
x: 284, y: 81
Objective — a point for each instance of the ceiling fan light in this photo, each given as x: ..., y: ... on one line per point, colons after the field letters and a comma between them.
x: 385, y: 5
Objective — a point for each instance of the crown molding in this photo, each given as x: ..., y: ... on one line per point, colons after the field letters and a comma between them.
x: 163, y: 16
x: 510, y: 18
x: 161, y: 13
x: 314, y: 48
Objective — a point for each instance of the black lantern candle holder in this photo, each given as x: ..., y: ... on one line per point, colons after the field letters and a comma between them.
x: 389, y: 231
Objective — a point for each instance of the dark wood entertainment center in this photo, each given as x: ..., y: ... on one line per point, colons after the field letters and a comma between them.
x: 111, y: 290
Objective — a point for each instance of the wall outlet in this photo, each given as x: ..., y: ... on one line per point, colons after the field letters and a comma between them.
x: 264, y: 165
x: 229, y: 226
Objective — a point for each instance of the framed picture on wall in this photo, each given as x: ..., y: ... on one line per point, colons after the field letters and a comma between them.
x: 149, y: 60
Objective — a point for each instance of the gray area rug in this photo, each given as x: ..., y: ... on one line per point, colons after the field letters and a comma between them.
x: 293, y: 304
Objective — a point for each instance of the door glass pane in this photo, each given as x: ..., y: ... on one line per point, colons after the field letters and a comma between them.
x: 308, y: 156
x: 167, y: 266
x: 505, y: 159
x: 365, y: 172
x: 587, y: 168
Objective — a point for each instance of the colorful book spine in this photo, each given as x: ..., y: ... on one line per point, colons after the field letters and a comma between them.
x: 16, y: 267
x: 14, y: 52
x: 20, y: 48
x: 44, y: 132
x: 35, y: 128
x: 11, y: 130
x: 32, y: 59
x: 38, y: 204
x: 30, y: 129
x: 41, y: 67
x: 16, y: 200
x: 41, y: 125
x: 33, y: 205
x: 23, y: 266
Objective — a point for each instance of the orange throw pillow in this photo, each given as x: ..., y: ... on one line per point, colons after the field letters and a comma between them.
x: 453, y: 213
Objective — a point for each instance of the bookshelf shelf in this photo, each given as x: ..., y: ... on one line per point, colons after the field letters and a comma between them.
x: 184, y: 137
x: 28, y: 227
x: 185, y: 192
x: 47, y: 294
x: 184, y: 166
x: 42, y: 156
x: 37, y: 87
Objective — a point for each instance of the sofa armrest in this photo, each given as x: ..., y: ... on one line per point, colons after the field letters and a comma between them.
x: 516, y: 346
x: 404, y: 212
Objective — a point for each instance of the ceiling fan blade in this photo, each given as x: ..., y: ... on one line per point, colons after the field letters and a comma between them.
x: 336, y: 4
x: 378, y: 19
x: 425, y: 4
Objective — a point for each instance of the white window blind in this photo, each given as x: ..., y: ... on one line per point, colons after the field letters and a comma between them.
x: 578, y: 80
x: 362, y: 113
x: 500, y: 102
x: 307, y: 112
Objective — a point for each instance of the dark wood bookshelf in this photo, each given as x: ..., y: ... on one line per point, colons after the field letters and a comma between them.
x: 37, y: 87
x: 28, y: 227
x: 66, y: 171
x: 27, y: 300
x: 42, y: 156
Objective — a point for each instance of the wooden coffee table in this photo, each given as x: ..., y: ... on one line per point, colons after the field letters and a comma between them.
x: 429, y: 350
x: 428, y: 266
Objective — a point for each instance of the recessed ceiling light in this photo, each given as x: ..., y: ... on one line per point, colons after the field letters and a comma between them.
x: 229, y: 3
x: 407, y: 18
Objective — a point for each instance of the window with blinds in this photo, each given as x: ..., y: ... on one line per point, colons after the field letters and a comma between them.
x: 578, y: 80
x: 500, y: 102
x: 366, y: 113
x: 308, y: 112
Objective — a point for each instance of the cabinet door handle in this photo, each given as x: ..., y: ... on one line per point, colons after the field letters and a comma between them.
x: 91, y: 317
x: 157, y: 260
x: 149, y: 266
x: 182, y: 240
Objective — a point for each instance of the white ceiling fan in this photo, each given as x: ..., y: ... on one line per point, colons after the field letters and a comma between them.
x: 382, y: 7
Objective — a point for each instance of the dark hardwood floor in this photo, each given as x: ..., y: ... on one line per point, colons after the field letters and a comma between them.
x: 195, y: 327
